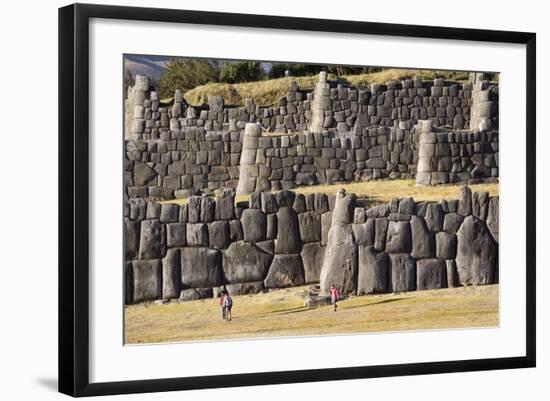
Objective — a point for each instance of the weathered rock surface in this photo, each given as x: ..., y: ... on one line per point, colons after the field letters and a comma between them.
x: 493, y: 217
x: 310, y: 226
x: 147, y: 276
x: 372, y: 277
x: 402, y: 273
x: 131, y: 239
x: 445, y: 245
x: 254, y: 225
x: 245, y: 262
x: 312, y: 258
x: 151, y: 242
x: 201, y: 267
x: 423, y: 244
x: 285, y: 271
x: 476, y: 253
x: 171, y: 274
x: 288, y: 232
x: 431, y: 274
x: 340, y: 261
x: 398, y: 238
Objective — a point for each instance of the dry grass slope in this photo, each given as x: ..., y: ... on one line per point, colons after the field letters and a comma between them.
x: 384, y: 191
x: 281, y: 313
x: 268, y: 92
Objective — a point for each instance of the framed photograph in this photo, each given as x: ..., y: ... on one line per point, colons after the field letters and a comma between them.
x: 250, y: 199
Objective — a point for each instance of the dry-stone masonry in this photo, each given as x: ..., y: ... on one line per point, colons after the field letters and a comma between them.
x: 333, y: 134
x: 283, y: 239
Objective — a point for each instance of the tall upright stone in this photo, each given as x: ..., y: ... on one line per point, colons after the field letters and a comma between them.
x: 476, y: 253
x: 248, y: 169
x: 340, y: 261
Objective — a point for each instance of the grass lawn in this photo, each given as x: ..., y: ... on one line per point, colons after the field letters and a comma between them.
x: 383, y: 191
x: 282, y: 313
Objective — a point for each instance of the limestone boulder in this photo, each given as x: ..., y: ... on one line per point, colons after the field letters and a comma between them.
x: 196, y: 234
x: 423, y: 244
x: 147, y: 283
x: 312, y: 258
x: 288, y: 232
x: 245, y: 262
x: 398, y: 237
x: 402, y: 272
x: 431, y: 274
x: 492, y: 217
x: 310, y: 226
x: 151, y: 241
x: 171, y: 274
x: 372, y: 276
x: 340, y: 261
x: 131, y: 239
x: 476, y: 253
x: 201, y: 267
x: 285, y: 271
x: 254, y: 224
x: 445, y: 245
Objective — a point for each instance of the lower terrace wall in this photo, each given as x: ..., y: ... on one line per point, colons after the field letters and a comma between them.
x: 285, y: 239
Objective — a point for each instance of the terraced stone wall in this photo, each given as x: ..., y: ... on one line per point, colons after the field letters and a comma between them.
x: 285, y: 239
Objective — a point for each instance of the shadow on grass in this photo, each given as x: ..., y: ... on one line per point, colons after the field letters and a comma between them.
x: 276, y: 312
x: 384, y: 301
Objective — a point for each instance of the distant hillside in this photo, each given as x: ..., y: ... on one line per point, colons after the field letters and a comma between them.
x: 151, y: 66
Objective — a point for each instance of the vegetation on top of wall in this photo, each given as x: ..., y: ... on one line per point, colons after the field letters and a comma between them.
x: 268, y: 92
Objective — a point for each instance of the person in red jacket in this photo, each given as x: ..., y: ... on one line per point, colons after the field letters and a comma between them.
x: 334, y: 296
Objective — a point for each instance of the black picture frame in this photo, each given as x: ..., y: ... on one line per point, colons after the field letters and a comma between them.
x: 74, y: 200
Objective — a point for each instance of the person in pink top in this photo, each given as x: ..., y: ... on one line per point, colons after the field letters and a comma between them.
x: 334, y: 296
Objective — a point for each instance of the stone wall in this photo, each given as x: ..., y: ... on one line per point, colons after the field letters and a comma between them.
x: 449, y: 157
x: 285, y: 239
x: 333, y: 134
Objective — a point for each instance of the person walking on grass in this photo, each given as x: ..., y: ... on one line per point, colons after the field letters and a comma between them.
x: 227, y: 305
x: 334, y: 296
x: 220, y: 302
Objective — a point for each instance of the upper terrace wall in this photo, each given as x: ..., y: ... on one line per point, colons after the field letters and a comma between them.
x: 332, y: 134
x: 339, y: 107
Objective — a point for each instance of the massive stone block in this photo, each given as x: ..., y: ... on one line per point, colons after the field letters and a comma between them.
x: 493, y: 217
x: 201, y: 267
x: 464, y: 202
x: 288, y: 232
x: 372, y: 276
x: 402, y: 273
x: 310, y: 226
x: 151, y: 242
x: 445, y: 245
x: 254, y: 225
x: 476, y: 253
x: 144, y: 174
x: 171, y: 274
x: 312, y: 258
x: 434, y: 217
x: 245, y: 262
x: 176, y: 234
x: 340, y: 261
x: 422, y: 239
x: 218, y: 234
x: 431, y: 274
x: 225, y: 205
x: 398, y: 238
x: 452, y: 222
x: 131, y: 239
x: 285, y: 271
x: 197, y: 234
x: 147, y: 276
x: 380, y: 232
